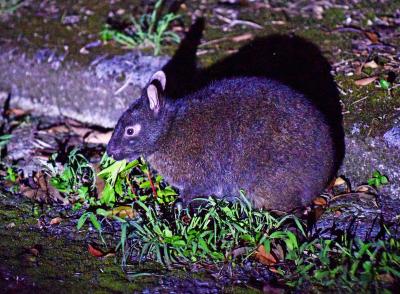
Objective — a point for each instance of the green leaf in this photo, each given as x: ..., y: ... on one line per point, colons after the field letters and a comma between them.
x: 384, y: 84
x: 367, y: 266
x: 59, y: 184
x: 168, y: 191
x: 217, y: 255
x: 118, y: 187
x: 11, y: 174
x: 267, y: 246
x: 203, y: 245
x: 110, y: 173
x: 167, y: 233
x: 103, y: 212
x: 145, y: 185
x: 292, y: 242
x: 376, y: 174
x: 108, y: 195
x: 384, y: 180
x: 123, y: 237
x: 131, y: 165
x: 83, y: 191
x: 278, y: 235
x: 67, y: 174
x: 94, y: 221
x: 82, y: 220
x: 5, y: 137
x: 179, y: 243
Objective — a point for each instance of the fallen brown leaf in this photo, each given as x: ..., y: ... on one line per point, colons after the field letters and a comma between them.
x: 35, y: 250
x: 357, y: 67
x: 265, y: 258
x: 365, y: 81
x: 95, y: 252
x: 339, y: 181
x: 387, y: 278
x: 274, y: 270
x: 39, y: 189
x: 318, y: 212
x: 58, y: 129
x: 96, y: 137
x: 337, y: 213
x: 109, y: 254
x: 244, y: 37
x: 321, y: 201
x: 17, y: 112
x: 81, y: 131
x: 98, y: 253
x: 366, y: 189
x: 124, y: 212
x: 373, y: 37
x: 55, y: 221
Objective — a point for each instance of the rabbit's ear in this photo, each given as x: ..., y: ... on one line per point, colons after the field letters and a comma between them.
x: 155, y: 91
x: 159, y: 77
x: 154, y: 98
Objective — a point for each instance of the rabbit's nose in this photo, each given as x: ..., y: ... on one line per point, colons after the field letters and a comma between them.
x: 112, y: 150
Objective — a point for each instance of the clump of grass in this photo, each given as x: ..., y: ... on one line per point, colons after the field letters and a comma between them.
x: 151, y: 29
x: 218, y: 231
x: 347, y: 265
x: 9, y: 6
x: 215, y: 231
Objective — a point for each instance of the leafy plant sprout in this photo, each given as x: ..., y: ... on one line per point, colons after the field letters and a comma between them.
x: 378, y: 179
x: 150, y: 29
x: 123, y: 183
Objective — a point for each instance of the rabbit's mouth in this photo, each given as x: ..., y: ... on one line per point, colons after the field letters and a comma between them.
x: 115, y: 152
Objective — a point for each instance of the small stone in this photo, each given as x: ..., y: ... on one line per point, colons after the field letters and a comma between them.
x: 318, y: 12
x: 83, y: 51
x: 10, y: 226
x: 120, y: 11
x: 371, y: 64
x: 71, y: 19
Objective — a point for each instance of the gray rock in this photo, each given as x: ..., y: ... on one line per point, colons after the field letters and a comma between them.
x: 49, y: 84
x: 21, y: 149
x: 392, y: 137
x: 364, y: 156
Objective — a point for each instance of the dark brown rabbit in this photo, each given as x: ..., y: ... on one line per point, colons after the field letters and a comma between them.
x: 249, y: 133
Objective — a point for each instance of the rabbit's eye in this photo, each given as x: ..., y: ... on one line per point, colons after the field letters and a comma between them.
x: 132, y: 131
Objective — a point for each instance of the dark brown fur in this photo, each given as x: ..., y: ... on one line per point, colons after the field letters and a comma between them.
x: 253, y: 134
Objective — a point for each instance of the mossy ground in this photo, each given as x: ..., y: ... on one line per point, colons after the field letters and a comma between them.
x: 49, y: 261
